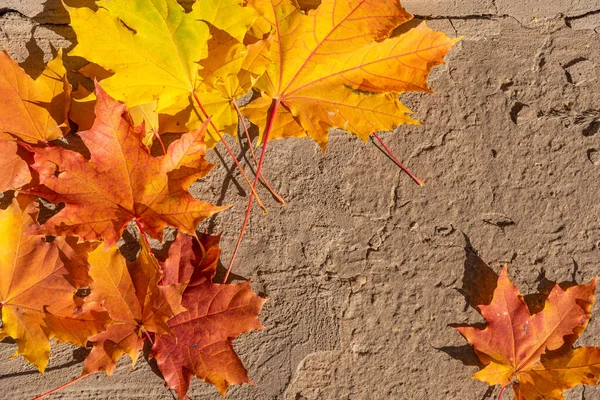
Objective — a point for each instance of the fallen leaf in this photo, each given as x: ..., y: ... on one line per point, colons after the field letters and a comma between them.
x: 83, y: 103
x: 121, y: 181
x: 39, y: 278
x: 38, y: 108
x: 166, y: 55
x: 201, y: 344
x: 557, y: 373
x: 337, y: 67
x: 227, y: 15
x: 129, y: 291
x: 534, y: 350
x: 14, y: 172
x: 152, y: 46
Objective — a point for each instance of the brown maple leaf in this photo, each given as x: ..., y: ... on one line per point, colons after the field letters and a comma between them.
x: 129, y: 291
x: 201, y: 344
x: 38, y: 283
x: 534, y: 351
x: 122, y: 181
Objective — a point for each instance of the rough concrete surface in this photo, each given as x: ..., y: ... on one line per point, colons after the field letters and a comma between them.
x: 363, y: 268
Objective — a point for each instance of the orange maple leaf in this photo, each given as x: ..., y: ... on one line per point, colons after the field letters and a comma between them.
x: 38, y: 109
x: 14, y: 172
x: 38, y: 283
x: 129, y: 291
x: 122, y: 181
x: 201, y: 344
x: 534, y: 351
x: 337, y: 66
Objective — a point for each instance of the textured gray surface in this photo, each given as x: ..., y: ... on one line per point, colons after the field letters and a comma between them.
x: 362, y: 266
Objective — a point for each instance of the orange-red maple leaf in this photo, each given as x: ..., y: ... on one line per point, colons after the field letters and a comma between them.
x: 122, y: 181
x: 534, y: 351
x: 129, y: 291
x: 201, y: 344
x: 38, y: 282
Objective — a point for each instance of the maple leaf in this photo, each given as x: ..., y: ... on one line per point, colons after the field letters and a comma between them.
x: 121, y: 181
x: 38, y: 282
x: 152, y: 46
x: 160, y: 51
x: 336, y: 66
x: 129, y: 291
x: 14, y: 172
x: 155, y: 49
x: 83, y: 103
x: 38, y: 108
x: 227, y: 15
x: 229, y: 75
x: 201, y: 343
x: 529, y: 349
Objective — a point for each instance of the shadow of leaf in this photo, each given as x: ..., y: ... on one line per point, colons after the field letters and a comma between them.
x: 478, y: 285
x: 479, y: 280
x: 79, y: 354
x: 464, y: 353
x: 54, y: 14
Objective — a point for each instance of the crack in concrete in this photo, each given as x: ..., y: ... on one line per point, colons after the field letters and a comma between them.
x: 473, y: 17
x: 5, y: 10
x: 568, y: 20
x: 460, y: 17
x: 497, y: 16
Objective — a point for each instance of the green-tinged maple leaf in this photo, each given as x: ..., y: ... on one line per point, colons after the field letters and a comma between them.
x: 157, y: 52
x: 152, y: 46
x: 129, y: 291
x: 534, y: 351
x: 227, y: 74
x: 38, y: 283
x: 336, y: 66
x: 201, y: 343
x: 121, y: 181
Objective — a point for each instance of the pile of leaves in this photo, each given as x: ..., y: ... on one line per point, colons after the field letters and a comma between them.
x: 157, y: 68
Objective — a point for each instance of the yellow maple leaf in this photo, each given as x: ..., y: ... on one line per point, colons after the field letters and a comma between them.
x: 155, y: 51
x: 152, y: 46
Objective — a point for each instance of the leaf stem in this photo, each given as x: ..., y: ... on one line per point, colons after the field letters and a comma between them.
x: 393, y: 157
x: 237, y: 163
x: 262, y: 177
x: 502, y: 392
x: 60, y: 387
x: 272, y: 116
x: 142, y: 233
x: 148, y: 336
